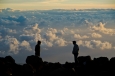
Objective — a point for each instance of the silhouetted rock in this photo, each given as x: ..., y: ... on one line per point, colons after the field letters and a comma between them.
x: 9, y: 59
x: 83, y: 60
x: 35, y: 66
x: 112, y: 60
x: 27, y: 70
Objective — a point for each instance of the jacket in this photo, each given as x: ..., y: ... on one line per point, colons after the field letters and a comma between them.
x: 75, y: 49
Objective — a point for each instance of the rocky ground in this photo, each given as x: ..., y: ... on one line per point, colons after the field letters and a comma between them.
x: 35, y: 66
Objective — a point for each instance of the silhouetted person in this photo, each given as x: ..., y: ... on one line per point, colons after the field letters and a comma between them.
x: 37, y: 48
x: 75, y: 51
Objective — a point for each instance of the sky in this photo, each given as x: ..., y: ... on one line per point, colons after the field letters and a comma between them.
x: 92, y: 29
x: 56, y: 4
x: 24, y: 22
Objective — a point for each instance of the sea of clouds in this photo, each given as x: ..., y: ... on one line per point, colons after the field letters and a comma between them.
x: 93, y: 29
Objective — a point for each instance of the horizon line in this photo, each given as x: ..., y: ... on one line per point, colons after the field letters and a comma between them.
x: 60, y: 9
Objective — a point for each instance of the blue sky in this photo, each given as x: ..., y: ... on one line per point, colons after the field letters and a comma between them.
x: 56, y: 4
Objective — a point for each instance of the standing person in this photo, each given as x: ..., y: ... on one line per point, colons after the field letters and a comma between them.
x: 37, y: 48
x: 75, y: 51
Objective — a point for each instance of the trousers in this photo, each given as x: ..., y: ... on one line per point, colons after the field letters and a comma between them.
x: 75, y: 57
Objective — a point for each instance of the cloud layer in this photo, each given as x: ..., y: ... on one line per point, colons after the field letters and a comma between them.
x: 20, y: 30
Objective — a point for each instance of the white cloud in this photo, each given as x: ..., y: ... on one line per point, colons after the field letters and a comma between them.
x: 77, y: 36
x: 26, y: 45
x: 11, y: 31
x: 52, y: 30
x: 96, y: 35
x: 60, y: 42
x: 101, y: 45
x: 32, y: 32
x: 13, y: 44
x: 26, y: 37
x: 66, y: 30
x: 101, y: 28
x: 4, y: 21
x: 85, y: 44
x: 60, y: 33
x: 7, y: 31
x: 37, y: 37
x: 113, y: 47
x: 47, y: 43
x: 32, y: 29
x: 50, y: 35
x: 35, y: 28
x: 94, y: 44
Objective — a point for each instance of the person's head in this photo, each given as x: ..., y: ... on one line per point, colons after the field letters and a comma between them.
x: 39, y: 42
x: 74, y: 42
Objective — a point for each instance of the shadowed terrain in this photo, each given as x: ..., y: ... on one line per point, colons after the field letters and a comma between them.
x: 35, y: 66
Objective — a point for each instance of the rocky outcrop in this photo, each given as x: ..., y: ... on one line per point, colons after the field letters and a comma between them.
x: 35, y: 66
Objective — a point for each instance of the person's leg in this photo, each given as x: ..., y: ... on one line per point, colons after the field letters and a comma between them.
x: 37, y: 53
x: 75, y: 58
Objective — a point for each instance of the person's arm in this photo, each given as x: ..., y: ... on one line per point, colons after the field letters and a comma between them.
x: 36, y: 47
x: 77, y: 47
x: 73, y: 51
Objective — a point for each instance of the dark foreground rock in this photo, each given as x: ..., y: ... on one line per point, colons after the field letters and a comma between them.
x: 35, y: 66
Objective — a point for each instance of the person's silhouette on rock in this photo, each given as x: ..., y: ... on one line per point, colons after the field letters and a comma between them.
x: 75, y: 51
x: 37, y: 48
